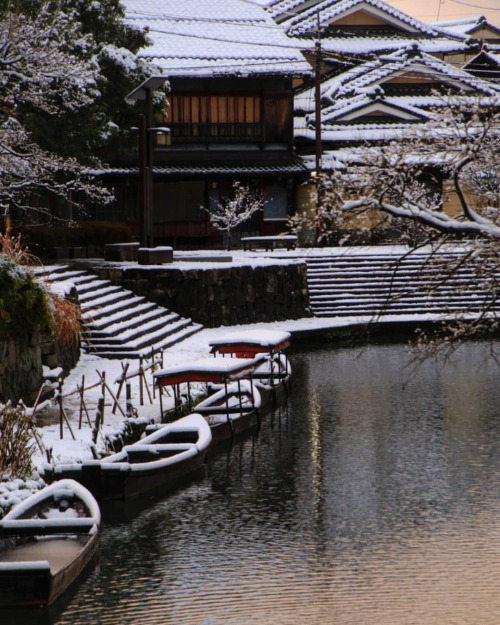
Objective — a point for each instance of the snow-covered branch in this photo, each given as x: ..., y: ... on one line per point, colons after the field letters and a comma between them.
x: 235, y: 209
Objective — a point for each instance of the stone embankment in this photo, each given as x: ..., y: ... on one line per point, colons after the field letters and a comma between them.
x: 22, y: 359
x: 223, y: 295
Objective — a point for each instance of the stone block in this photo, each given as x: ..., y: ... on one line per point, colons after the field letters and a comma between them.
x: 121, y: 252
x: 155, y: 255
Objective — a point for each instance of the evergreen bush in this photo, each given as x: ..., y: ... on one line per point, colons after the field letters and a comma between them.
x: 24, y: 304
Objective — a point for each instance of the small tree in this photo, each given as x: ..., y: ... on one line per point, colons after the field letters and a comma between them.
x: 233, y: 210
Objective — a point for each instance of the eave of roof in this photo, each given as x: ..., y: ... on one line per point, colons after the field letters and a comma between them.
x: 292, y: 165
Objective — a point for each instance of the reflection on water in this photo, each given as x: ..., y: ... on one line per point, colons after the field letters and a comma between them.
x: 372, y: 499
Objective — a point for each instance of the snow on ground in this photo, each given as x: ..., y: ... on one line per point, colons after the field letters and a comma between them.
x: 91, y: 367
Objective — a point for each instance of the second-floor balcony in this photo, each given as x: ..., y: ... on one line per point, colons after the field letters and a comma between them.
x: 226, y: 131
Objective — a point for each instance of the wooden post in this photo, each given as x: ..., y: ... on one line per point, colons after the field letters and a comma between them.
x: 81, y: 402
x: 98, y: 419
x: 128, y: 405
x: 113, y: 396
x: 103, y: 378
x: 65, y: 416
x: 59, y: 400
x: 141, y: 381
x: 120, y: 386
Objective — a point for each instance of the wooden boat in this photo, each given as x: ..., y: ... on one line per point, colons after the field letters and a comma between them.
x: 162, y: 459
x: 230, y: 411
x: 46, y: 542
x: 272, y: 374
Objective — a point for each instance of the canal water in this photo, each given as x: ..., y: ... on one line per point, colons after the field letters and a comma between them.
x: 372, y: 498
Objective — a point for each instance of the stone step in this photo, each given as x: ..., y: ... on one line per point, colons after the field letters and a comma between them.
x: 94, y: 296
x: 118, y: 323
x: 129, y: 335
x: 127, y: 302
x: 138, y: 322
x: 146, y: 352
x: 353, y: 284
x: 121, y: 316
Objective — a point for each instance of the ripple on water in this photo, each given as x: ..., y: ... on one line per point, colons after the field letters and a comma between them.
x: 372, y: 500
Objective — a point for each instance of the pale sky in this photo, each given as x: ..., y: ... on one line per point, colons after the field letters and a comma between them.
x: 434, y: 10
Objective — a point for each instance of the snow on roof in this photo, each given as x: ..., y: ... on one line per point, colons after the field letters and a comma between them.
x: 214, y: 37
x: 375, y: 72
x: 260, y: 338
x: 464, y: 27
x: 204, y: 369
x: 299, y: 17
x: 363, y: 45
x: 358, y: 133
x: 360, y: 86
x: 365, y: 104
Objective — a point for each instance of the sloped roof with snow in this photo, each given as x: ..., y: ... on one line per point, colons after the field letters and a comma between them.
x: 466, y: 27
x: 214, y: 37
x: 403, y: 61
x: 300, y: 19
x: 355, y: 106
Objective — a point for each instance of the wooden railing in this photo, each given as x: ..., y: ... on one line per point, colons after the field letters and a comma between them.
x: 234, y: 130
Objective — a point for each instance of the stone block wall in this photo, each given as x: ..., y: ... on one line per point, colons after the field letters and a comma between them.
x: 20, y: 367
x: 222, y: 295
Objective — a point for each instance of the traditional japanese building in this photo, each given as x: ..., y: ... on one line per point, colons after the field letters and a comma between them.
x: 231, y: 71
x: 379, y: 73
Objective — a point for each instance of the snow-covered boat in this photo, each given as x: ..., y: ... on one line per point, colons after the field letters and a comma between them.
x: 162, y: 459
x: 46, y: 542
x: 273, y: 371
x: 230, y: 411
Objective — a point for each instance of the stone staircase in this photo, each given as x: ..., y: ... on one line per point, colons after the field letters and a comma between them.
x: 371, y: 282
x: 118, y: 323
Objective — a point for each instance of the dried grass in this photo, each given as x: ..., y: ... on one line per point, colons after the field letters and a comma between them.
x: 14, y: 248
x: 67, y: 320
x: 16, y: 442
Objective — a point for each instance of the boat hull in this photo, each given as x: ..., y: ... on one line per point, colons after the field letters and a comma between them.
x: 234, y: 427
x: 167, y: 457
x: 119, y: 484
x: 42, y: 556
x: 38, y: 587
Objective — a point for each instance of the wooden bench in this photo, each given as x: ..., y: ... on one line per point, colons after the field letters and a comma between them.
x: 270, y: 242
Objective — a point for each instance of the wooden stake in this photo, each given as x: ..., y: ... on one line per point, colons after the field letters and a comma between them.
x: 120, y: 386
x: 113, y: 396
x: 98, y: 419
x: 81, y: 388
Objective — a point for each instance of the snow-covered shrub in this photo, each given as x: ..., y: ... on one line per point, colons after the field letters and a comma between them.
x: 24, y: 304
x: 16, y: 442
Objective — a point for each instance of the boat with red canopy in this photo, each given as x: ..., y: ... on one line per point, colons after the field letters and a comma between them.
x: 273, y: 371
x: 233, y: 409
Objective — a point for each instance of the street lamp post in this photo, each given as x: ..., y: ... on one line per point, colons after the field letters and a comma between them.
x: 146, y: 131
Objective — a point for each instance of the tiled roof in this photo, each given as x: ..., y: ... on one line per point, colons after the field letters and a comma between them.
x: 371, y: 73
x: 207, y: 37
x: 299, y: 20
x: 357, y: 45
x: 290, y: 165
x: 350, y: 100
x: 465, y: 27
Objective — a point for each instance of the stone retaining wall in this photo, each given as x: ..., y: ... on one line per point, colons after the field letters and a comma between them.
x: 21, y: 364
x: 20, y: 367
x: 215, y: 296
